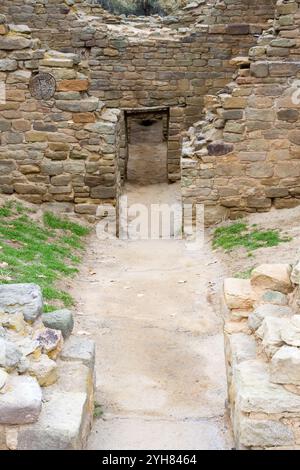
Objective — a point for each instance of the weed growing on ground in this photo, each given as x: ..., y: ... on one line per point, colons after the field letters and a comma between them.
x: 251, y: 238
x: 244, y: 274
x: 43, y: 252
x: 98, y: 411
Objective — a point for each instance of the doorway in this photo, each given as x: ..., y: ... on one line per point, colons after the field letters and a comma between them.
x: 147, y: 146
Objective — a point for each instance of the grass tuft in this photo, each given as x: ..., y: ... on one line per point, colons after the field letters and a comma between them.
x: 52, y: 221
x: 244, y: 274
x: 98, y: 410
x: 240, y: 235
x: 44, y: 253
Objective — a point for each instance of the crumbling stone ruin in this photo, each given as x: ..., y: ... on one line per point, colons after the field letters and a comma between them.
x: 72, y: 145
x: 244, y: 156
x: 262, y: 340
x: 46, y: 375
x: 223, y: 75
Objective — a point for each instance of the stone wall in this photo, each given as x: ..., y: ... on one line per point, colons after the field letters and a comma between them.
x: 125, y: 63
x: 41, y: 14
x: 262, y: 341
x: 46, y: 375
x: 148, y: 62
x: 65, y: 148
x: 172, y: 70
x: 244, y: 157
x: 236, y: 11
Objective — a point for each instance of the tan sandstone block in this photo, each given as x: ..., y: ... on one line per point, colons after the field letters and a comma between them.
x: 73, y: 85
x: 239, y: 293
x: 84, y: 117
x: 272, y: 277
x: 3, y: 29
x: 234, y: 103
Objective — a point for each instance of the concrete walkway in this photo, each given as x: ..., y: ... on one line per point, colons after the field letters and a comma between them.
x: 160, y: 362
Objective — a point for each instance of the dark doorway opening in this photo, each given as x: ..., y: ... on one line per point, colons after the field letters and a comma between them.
x: 147, y: 134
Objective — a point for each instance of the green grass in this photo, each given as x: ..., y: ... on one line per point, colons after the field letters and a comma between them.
x: 43, y: 252
x: 244, y: 274
x: 52, y: 221
x: 239, y: 235
x: 98, y: 411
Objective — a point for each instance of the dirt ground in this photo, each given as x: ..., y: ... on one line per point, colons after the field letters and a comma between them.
x: 152, y: 308
x: 149, y: 305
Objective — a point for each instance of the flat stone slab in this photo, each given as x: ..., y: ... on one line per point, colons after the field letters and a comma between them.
x: 264, y: 433
x: 117, y: 434
x: 59, y: 426
x: 21, y: 401
x: 256, y: 394
x: 79, y: 349
x: 74, y: 377
x: 21, y: 298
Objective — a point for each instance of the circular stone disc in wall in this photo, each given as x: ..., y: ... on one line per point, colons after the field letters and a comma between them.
x: 42, y: 86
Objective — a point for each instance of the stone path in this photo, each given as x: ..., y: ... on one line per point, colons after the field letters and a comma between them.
x: 160, y: 362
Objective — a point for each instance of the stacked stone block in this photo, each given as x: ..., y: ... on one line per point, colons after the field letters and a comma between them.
x: 40, y: 13
x: 249, y: 138
x: 262, y: 325
x: 65, y: 148
x: 46, y: 375
x: 142, y: 62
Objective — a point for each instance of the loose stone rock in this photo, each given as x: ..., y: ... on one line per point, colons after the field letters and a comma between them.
x: 285, y: 366
x: 267, y: 310
x: 273, y: 297
x: 272, y: 277
x: 21, y: 298
x: 21, y: 401
x: 290, y: 332
x: 3, y: 378
x: 239, y: 293
x: 270, y: 333
x: 29, y: 347
x: 13, y: 321
x: 44, y: 370
x: 295, y: 276
x: 10, y: 354
x: 50, y: 341
x: 59, y: 320
x: 79, y: 349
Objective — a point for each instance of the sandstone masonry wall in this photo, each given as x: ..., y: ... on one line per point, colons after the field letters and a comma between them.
x: 41, y: 14
x: 263, y: 357
x: 244, y: 157
x: 135, y: 63
x: 46, y: 375
x: 62, y: 149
